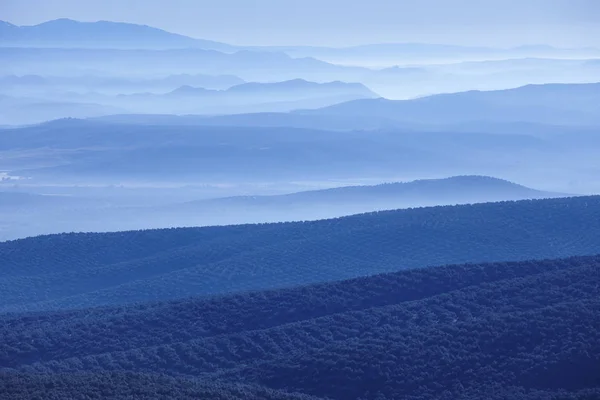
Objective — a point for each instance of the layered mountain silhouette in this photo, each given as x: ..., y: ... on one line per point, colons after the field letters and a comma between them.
x: 186, y: 99
x: 549, y: 104
x: 533, y: 108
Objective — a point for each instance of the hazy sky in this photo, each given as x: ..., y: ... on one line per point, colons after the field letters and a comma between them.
x: 339, y: 22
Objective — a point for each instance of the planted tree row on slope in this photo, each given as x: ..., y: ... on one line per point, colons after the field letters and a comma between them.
x: 122, y: 386
x: 145, y: 324
x: 463, y: 331
x: 88, y: 270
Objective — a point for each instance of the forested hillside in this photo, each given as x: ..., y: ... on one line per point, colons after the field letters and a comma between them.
x: 87, y: 270
x: 522, y: 330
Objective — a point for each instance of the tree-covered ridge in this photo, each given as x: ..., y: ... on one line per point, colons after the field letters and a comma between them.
x: 88, y: 270
x: 524, y: 330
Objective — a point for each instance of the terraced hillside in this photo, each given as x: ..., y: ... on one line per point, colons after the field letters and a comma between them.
x: 87, y: 270
x: 518, y: 330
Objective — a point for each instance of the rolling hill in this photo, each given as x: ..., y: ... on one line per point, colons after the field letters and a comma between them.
x: 340, y: 201
x: 453, y: 190
x: 521, y: 330
x: 86, y: 270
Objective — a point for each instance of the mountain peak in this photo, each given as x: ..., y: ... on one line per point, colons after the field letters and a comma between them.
x: 6, y: 24
x: 189, y: 90
x: 57, y: 21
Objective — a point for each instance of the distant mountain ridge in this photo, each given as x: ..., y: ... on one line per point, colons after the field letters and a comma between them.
x: 70, y: 33
x: 537, y: 108
x: 247, y: 97
x: 568, y: 104
x: 285, y: 87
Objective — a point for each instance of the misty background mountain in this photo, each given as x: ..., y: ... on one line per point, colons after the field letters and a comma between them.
x: 106, y: 59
